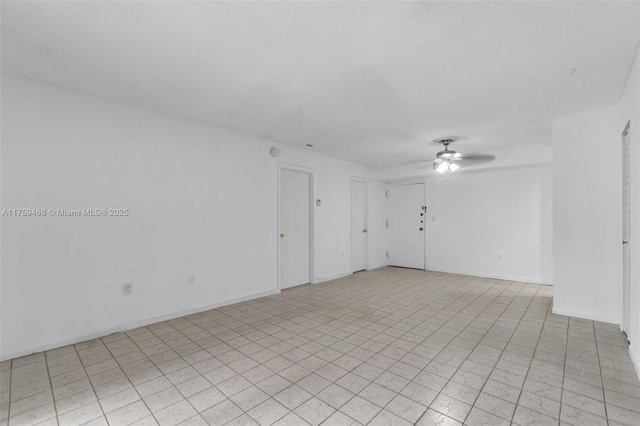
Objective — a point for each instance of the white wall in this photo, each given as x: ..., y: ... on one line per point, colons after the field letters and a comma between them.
x: 587, y: 215
x: 202, y: 201
x: 502, y: 207
x: 630, y: 112
x: 474, y: 217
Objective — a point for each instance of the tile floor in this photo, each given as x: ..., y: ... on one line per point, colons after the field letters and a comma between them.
x: 386, y: 347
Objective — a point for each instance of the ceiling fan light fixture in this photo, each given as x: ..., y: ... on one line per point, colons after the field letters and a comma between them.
x: 448, y: 160
x: 447, y: 166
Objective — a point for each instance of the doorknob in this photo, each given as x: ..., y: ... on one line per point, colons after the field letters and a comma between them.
x: 421, y: 229
x: 364, y: 230
x: 281, y: 235
x: 625, y: 242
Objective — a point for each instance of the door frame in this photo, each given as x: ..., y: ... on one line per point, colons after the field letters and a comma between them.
x: 312, y: 219
x: 424, y: 200
x: 625, y: 324
x: 366, y: 220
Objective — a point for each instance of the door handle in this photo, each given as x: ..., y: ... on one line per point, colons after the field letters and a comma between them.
x: 421, y: 229
x: 625, y: 242
x: 364, y: 230
x: 281, y: 235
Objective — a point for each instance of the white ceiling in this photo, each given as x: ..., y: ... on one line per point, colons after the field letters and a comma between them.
x: 364, y: 81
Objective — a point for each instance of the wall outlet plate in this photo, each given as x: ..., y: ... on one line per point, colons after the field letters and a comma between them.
x: 127, y: 288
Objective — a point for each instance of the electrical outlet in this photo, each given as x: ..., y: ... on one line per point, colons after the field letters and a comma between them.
x: 499, y: 256
x: 127, y: 288
x: 191, y: 279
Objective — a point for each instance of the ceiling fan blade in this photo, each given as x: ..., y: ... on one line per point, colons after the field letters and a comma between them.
x: 436, y: 163
x: 473, y: 159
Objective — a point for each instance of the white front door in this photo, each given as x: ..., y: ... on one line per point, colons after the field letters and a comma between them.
x: 358, y: 226
x: 295, y: 227
x: 406, y: 226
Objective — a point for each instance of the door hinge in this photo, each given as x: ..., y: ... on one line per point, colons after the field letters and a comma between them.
x: 387, y: 193
x: 387, y: 254
x: 386, y: 224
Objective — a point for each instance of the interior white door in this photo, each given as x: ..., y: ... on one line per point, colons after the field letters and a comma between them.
x: 406, y: 226
x: 358, y: 226
x: 295, y: 227
x: 626, y: 222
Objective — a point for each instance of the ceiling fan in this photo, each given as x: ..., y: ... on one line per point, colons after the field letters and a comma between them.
x: 450, y: 160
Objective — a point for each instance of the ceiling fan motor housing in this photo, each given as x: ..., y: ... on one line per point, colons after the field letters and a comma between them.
x: 446, y: 154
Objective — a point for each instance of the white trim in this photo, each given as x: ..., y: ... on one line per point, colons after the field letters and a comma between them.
x: 312, y: 218
x: 332, y: 277
x: 135, y: 324
x: 589, y: 316
x: 382, y: 265
x: 407, y: 181
x: 497, y: 277
x: 625, y: 322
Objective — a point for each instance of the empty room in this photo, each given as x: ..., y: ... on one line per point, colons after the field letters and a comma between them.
x: 319, y: 213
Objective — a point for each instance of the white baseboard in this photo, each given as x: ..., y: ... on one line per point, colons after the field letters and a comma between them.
x: 590, y: 316
x: 382, y: 265
x: 332, y: 277
x: 497, y: 277
x: 132, y: 325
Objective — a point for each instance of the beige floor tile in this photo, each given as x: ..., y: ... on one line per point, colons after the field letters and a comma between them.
x: 31, y: 403
x: 360, y: 409
x: 340, y: 419
x: 119, y: 400
x: 268, y: 412
x: 75, y: 401
x: 30, y: 390
x: 243, y: 420
x: 314, y: 411
x: 81, y: 415
x: 406, y: 408
x: 206, y: 399
x: 387, y: 418
x: 292, y: 397
x: 193, y: 386
x: 175, y: 414
x: 433, y: 348
x: 129, y: 414
x: 221, y: 413
x: 249, y: 398
x: 163, y: 399
x: 34, y: 416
